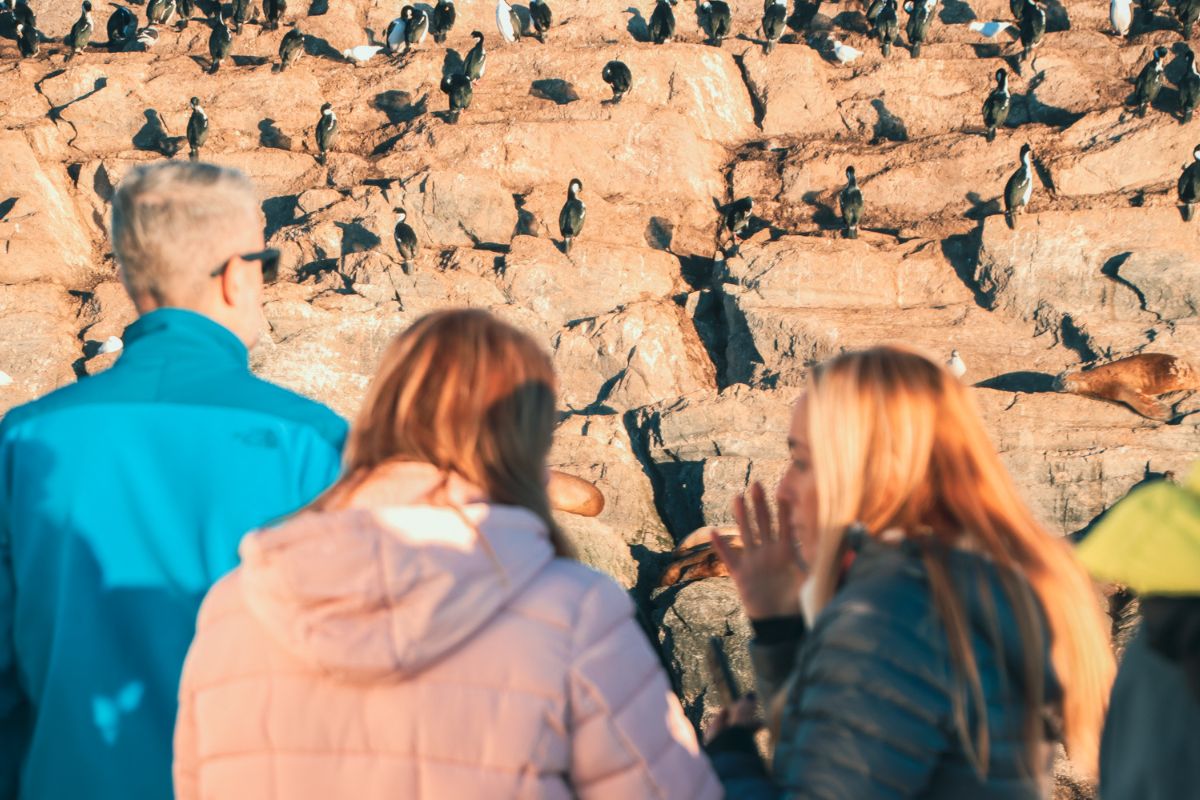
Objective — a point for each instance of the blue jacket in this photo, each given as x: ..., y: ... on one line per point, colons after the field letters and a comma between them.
x: 868, y: 713
x: 122, y: 500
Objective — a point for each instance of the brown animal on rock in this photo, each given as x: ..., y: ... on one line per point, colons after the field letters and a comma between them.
x: 574, y: 495
x: 694, y: 558
x: 1136, y: 381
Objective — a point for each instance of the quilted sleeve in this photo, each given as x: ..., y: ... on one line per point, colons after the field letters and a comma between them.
x: 185, y: 767
x: 629, y: 737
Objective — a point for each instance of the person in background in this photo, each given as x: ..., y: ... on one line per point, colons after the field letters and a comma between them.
x: 1150, y: 542
x: 917, y: 633
x: 123, y: 496
x: 422, y: 630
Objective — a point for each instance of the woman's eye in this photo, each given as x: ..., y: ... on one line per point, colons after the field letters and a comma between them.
x: 800, y: 464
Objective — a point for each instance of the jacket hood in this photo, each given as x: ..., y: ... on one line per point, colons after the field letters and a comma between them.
x: 415, y: 563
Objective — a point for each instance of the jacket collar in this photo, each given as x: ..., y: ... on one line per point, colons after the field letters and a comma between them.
x: 178, y: 329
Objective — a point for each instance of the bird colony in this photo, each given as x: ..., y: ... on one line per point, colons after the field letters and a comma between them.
x: 688, y: 203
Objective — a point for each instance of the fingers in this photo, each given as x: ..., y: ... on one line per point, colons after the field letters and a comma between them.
x: 750, y: 537
x: 728, y: 555
x: 762, y: 513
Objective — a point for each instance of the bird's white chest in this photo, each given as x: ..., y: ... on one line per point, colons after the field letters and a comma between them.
x: 1120, y: 14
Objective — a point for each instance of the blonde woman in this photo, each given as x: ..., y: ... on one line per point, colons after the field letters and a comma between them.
x: 918, y: 634
x: 422, y: 631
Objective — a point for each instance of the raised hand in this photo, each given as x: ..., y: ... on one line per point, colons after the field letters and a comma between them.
x: 767, y: 570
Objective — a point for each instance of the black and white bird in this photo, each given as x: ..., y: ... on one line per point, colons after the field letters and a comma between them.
x: 1188, y: 11
x: 774, y: 21
x: 394, y: 37
x: 459, y: 91
x: 1019, y: 188
x: 406, y: 241
x: 241, y: 14
x: 416, y: 29
x: 23, y: 14
x: 716, y: 20
x: 291, y: 47
x: 1189, y: 186
x: 327, y: 128
x: 444, y: 15
x: 920, y: 18
x: 1189, y: 86
x: 662, y: 22
x: 28, y: 40
x: 507, y: 22
x: 1017, y: 7
x: 851, y: 201
x: 147, y: 37
x: 160, y: 12
x: 476, y: 60
x: 81, y: 31
x: 887, y: 26
x: 273, y: 10
x: 197, y: 129
x: 737, y: 216
x: 618, y: 77
x: 1149, y: 81
x: 997, y: 104
x: 220, y: 41
x: 570, y: 219
x: 122, y: 28
x: 1033, y: 27
x: 185, y: 8
x: 541, y: 17
x: 1120, y: 16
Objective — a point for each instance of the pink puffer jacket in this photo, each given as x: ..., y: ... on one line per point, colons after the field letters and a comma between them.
x: 396, y: 649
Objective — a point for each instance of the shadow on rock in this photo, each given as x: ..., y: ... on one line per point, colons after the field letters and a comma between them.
x: 320, y: 48
x: 356, y: 238
x: 1023, y: 381
x: 452, y: 64
x: 956, y: 12
x: 1057, y: 19
x: 269, y: 135
x: 399, y: 106
x: 659, y: 233
x: 555, y: 89
x: 823, y: 215
x: 888, y: 126
x: 637, y: 26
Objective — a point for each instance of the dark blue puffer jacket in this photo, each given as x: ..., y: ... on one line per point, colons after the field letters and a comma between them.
x: 869, y: 713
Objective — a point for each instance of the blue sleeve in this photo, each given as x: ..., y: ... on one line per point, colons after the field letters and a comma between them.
x: 13, y: 706
x: 326, y: 465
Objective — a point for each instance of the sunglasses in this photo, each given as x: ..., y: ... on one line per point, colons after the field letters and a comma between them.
x: 269, y: 259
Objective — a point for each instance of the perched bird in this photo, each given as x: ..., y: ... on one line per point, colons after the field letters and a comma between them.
x: 1149, y: 81
x: 737, y: 216
x: 27, y: 40
x: 851, y: 201
x: 773, y: 23
x: 197, y: 129
x: 540, y: 16
x: 23, y: 14
x: 220, y: 41
x: 887, y: 27
x: 1017, y: 7
x: 185, y: 8
x: 662, y: 21
x: 122, y: 29
x: 417, y: 27
x: 327, y: 129
x: 291, y: 47
x: 1019, y: 187
x: 1189, y: 87
x: 406, y: 241
x: 844, y: 53
x: 241, y: 14
x: 1033, y: 27
x: 476, y: 60
x: 995, y: 107
x: 1189, y: 186
x: 716, y: 20
x: 570, y: 219
x: 394, y: 36
x: 81, y: 31
x: 147, y: 37
x: 274, y: 10
x: 992, y: 29
x: 618, y: 77
x: 1120, y: 16
x: 955, y: 365
x: 160, y: 12
x: 362, y: 53
x: 920, y: 17
x: 110, y: 345
x: 1188, y: 11
x: 1149, y: 9
x: 444, y: 16
x: 507, y: 21
x: 458, y: 89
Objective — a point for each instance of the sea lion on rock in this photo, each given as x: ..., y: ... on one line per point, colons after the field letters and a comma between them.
x: 1135, y: 381
x: 694, y: 558
x: 574, y: 495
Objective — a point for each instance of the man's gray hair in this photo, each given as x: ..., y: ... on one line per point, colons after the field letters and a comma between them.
x: 172, y: 224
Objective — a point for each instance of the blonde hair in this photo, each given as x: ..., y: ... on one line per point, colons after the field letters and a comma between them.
x: 897, y: 443
x: 170, y: 221
x: 472, y: 396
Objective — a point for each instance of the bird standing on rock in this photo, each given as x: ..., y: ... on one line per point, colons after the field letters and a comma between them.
x: 1120, y: 16
x: 570, y: 219
x: 197, y: 129
x: 995, y: 107
x: 274, y: 11
x: 458, y: 89
x: 395, y: 37
x: 773, y: 23
x: 241, y: 14
x: 1033, y: 27
x: 327, y: 129
x: 955, y: 365
x: 476, y: 60
x: 122, y: 29
x: 1189, y: 185
x: 1150, y: 81
x: 887, y: 26
x: 160, y: 12
x: 1189, y: 87
x: 1017, y: 7
x: 1188, y: 11
x: 444, y: 16
x: 1019, y: 188
x: 662, y: 22
x: 920, y: 17
x: 23, y: 14
x: 851, y: 201
x: 737, y: 216
x: 716, y: 19
x: 81, y: 31
x: 618, y: 77
x: 540, y: 16
x: 27, y: 40
x: 185, y: 9
x: 406, y: 241
x: 291, y: 47
x: 507, y: 22
x: 220, y: 41
x: 416, y: 29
